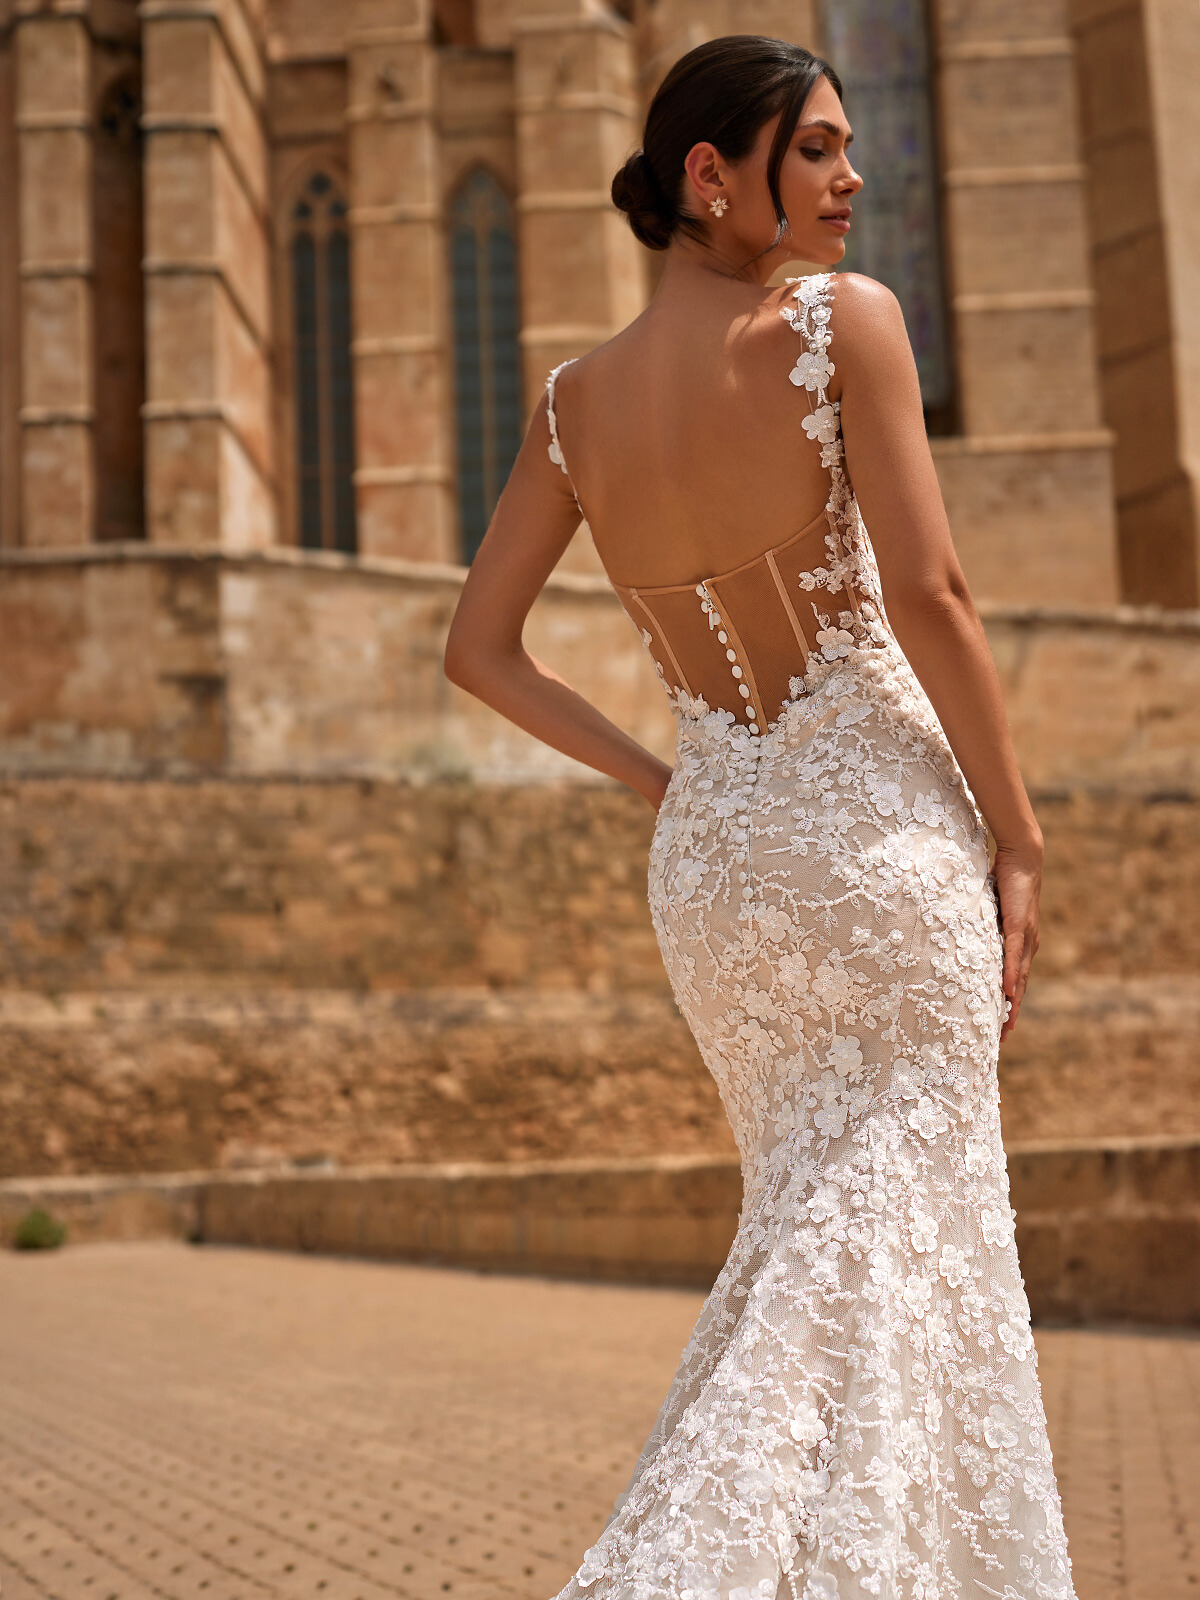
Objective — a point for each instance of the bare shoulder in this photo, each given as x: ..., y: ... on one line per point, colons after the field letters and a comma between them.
x: 864, y: 312
x: 580, y: 371
x: 859, y: 300
x: 866, y: 324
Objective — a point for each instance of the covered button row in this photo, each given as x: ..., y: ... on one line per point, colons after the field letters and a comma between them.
x: 714, y: 620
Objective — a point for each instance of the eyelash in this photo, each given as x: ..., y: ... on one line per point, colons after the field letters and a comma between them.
x: 811, y: 150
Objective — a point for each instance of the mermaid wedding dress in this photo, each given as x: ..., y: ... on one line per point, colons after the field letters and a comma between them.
x: 857, y: 1412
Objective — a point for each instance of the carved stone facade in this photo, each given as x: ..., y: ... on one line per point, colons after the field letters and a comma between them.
x: 200, y: 350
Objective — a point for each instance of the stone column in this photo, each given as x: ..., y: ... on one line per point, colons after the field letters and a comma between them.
x: 1028, y: 483
x: 582, y: 271
x: 10, y: 303
x: 668, y: 29
x: 1139, y: 64
x: 209, y: 466
x: 403, y: 476
x: 53, y: 92
x: 583, y: 275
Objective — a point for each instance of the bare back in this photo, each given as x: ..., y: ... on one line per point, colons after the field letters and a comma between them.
x: 715, y: 493
x: 683, y: 440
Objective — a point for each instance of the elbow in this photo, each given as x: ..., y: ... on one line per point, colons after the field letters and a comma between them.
x: 942, y: 597
x: 472, y: 664
x: 476, y: 660
x: 458, y: 661
x: 924, y: 614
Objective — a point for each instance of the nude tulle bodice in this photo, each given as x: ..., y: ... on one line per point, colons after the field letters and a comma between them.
x: 745, y: 640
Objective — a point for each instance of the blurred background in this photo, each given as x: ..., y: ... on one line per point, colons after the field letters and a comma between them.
x: 301, y: 946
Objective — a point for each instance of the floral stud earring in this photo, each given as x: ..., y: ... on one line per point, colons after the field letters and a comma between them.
x: 717, y: 206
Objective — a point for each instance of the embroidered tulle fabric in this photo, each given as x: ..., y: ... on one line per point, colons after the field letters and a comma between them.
x: 857, y: 1412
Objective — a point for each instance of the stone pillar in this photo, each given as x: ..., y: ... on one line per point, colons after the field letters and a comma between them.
x: 403, y: 477
x: 10, y: 303
x: 53, y: 92
x: 1139, y: 64
x: 1028, y: 483
x: 583, y: 274
x: 582, y: 271
x: 668, y: 29
x: 209, y: 465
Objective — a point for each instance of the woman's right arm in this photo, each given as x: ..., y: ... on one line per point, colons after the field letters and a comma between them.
x: 530, y: 529
x: 929, y: 606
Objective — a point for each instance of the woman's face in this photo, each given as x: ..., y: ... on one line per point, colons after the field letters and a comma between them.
x: 816, y: 182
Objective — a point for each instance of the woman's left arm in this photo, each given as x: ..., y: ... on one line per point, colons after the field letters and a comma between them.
x: 534, y: 520
x: 890, y: 464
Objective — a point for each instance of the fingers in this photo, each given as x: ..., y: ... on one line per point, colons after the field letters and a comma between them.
x: 1014, y: 951
x: 1017, y: 894
x: 1016, y: 994
x: 1019, y: 951
x: 1010, y: 1022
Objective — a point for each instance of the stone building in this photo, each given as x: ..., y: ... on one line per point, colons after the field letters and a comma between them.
x: 280, y: 284
x: 285, y: 277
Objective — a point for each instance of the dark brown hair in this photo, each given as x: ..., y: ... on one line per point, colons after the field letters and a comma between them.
x: 722, y: 92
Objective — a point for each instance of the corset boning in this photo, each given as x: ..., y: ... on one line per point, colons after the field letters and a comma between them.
x: 738, y: 640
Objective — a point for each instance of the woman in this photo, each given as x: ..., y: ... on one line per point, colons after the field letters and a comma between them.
x: 858, y: 1411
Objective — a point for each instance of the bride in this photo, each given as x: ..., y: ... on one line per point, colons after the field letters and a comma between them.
x: 857, y: 1412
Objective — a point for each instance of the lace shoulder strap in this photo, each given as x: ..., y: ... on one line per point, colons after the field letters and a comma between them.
x: 810, y: 318
x: 812, y: 372
x: 555, y: 448
x: 813, y: 369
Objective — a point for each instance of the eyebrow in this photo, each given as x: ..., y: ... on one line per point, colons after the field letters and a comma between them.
x: 820, y: 122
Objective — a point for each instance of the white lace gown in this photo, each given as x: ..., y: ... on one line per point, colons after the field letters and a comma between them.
x: 857, y: 1412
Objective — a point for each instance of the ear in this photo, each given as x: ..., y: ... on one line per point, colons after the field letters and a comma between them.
x: 705, y: 171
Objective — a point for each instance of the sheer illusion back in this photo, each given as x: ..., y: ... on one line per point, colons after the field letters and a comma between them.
x: 741, y: 640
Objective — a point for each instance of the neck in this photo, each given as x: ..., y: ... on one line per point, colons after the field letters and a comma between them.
x: 689, y: 263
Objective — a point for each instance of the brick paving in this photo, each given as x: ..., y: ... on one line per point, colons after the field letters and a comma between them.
x: 204, y: 1424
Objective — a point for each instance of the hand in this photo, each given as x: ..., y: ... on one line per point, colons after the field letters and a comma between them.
x: 1018, y: 875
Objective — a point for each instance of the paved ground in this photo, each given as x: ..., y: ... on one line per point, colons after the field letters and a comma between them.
x: 232, y: 1425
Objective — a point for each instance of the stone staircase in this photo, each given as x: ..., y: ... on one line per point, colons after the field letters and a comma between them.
x: 232, y: 974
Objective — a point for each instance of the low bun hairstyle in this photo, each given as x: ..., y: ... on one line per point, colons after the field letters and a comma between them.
x: 635, y: 191
x: 722, y: 92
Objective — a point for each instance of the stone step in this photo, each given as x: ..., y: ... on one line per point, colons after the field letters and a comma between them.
x: 168, y: 1079
x: 1106, y: 1231
x: 271, y: 884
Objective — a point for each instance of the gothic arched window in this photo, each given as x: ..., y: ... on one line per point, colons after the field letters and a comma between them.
x: 487, y: 365
x: 323, y: 379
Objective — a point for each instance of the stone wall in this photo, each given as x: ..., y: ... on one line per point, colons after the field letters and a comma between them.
x: 1022, y: 308
x: 221, y: 973
x: 1136, y: 64
x: 368, y: 886
x: 1105, y: 1232
x: 137, y: 661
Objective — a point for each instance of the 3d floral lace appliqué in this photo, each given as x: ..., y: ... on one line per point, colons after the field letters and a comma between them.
x: 554, y: 449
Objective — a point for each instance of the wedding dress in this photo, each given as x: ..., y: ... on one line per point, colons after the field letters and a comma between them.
x: 857, y: 1412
